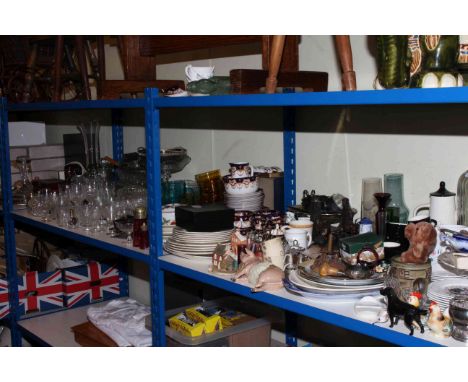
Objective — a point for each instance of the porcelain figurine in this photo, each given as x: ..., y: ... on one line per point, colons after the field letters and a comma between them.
x: 261, y: 274
x: 399, y: 309
x: 438, y: 55
x: 440, y: 324
x: 415, y: 299
x: 423, y: 239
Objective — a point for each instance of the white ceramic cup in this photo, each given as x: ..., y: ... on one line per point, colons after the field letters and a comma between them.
x: 302, y: 236
x: 305, y: 224
x: 273, y: 251
x: 196, y: 73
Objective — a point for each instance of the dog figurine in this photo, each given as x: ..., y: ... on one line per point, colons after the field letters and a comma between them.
x: 397, y: 309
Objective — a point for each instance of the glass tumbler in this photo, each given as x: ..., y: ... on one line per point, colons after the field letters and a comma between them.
x: 369, y: 205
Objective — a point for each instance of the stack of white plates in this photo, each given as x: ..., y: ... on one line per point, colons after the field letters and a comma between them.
x: 297, y: 284
x: 195, y: 245
x: 167, y: 230
x: 245, y: 202
x: 442, y: 291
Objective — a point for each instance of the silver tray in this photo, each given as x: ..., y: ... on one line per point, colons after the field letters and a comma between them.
x: 445, y: 262
x: 326, y: 289
x: 333, y: 296
x: 307, y: 273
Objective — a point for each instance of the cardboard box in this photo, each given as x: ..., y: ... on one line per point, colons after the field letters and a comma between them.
x: 40, y: 291
x: 89, y: 283
x: 26, y: 133
x: 273, y: 188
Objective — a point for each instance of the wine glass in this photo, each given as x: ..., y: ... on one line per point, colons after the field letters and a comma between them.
x: 124, y: 222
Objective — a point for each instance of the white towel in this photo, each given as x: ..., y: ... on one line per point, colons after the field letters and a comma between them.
x: 123, y: 320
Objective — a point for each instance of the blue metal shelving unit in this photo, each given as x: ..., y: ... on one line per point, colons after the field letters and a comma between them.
x: 10, y: 217
x: 152, y: 104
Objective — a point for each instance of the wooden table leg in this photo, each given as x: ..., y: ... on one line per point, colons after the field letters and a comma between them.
x: 343, y: 46
x: 80, y: 50
x: 275, y: 61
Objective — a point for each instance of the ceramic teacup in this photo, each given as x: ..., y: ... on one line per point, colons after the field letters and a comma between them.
x: 302, y: 236
x: 196, y: 73
x: 391, y: 249
x: 240, y: 169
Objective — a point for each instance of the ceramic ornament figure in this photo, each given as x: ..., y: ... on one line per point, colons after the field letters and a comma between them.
x: 423, y: 239
x: 438, y: 57
x: 440, y: 324
x: 393, y: 62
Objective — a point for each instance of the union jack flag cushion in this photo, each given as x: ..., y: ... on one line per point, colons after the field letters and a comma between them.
x: 40, y: 291
x: 89, y: 283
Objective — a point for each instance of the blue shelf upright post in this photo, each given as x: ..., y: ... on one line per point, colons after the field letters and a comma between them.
x: 153, y: 173
x: 117, y: 135
x: 117, y: 153
x: 289, y: 156
x: 289, y: 161
x: 9, y: 228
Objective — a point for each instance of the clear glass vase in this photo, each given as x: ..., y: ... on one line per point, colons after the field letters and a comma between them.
x: 369, y: 206
x: 397, y: 211
x: 90, y: 132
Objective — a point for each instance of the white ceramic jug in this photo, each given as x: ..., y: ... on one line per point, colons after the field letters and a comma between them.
x: 442, y: 206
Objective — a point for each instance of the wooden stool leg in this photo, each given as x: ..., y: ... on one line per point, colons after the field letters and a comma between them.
x: 345, y: 55
x: 57, y: 96
x: 275, y: 61
x: 80, y: 50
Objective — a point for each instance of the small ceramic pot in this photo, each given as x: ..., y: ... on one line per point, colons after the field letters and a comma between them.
x: 240, y: 169
x: 301, y: 236
x: 243, y: 219
x: 239, y: 186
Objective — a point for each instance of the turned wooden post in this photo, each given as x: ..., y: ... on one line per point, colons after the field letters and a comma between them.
x: 275, y: 61
x: 343, y: 46
x: 57, y: 96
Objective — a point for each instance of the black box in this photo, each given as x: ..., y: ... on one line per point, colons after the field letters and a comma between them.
x: 207, y: 218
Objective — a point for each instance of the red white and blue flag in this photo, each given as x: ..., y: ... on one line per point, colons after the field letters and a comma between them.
x: 91, y: 282
x: 41, y: 291
x: 4, y: 303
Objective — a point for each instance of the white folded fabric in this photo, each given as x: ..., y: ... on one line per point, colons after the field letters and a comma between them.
x: 123, y: 320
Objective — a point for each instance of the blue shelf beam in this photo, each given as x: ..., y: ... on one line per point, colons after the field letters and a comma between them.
x: 381, y: 333
x: 366, y: 97
x: 89, y: 240
x: 153, y: 173
x: 79, y: 105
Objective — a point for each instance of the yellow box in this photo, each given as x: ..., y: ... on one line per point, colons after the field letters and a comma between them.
x: 212, y: 322
x: 186, y: 326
